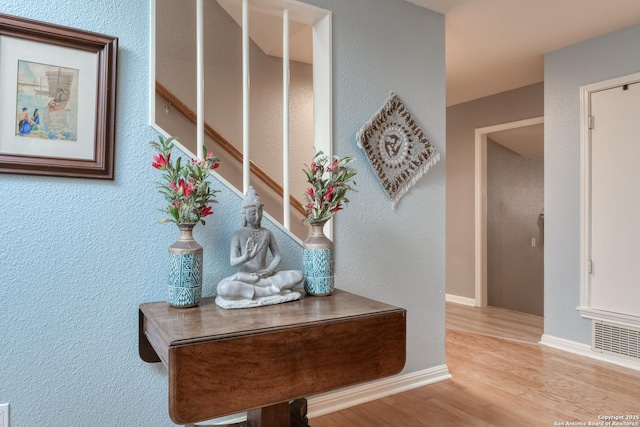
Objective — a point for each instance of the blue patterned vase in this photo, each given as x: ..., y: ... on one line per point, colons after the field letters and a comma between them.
x: 185, y: 270
x: 317, y: 261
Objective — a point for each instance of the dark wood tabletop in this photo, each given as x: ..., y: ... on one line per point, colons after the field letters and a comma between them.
x: 222, y: 362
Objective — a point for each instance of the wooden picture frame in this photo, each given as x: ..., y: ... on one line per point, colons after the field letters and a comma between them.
x: 57, y: 100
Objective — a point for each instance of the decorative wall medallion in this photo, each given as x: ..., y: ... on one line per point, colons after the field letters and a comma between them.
x: 397, y: 148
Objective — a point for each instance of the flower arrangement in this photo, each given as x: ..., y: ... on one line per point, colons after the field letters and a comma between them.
x: 330, y: 180
x: 184, y: 186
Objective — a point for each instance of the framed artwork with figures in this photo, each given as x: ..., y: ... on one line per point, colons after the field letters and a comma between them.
x: 57, y: 100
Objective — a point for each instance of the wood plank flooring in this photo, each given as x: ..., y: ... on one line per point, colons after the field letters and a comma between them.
x: 494, y: 321
x: 501, y: 381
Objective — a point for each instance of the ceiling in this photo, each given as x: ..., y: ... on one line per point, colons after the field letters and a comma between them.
x: 528, y: 141
x: 497, y: 45
x: 492, y: 46
x: 265, y: 27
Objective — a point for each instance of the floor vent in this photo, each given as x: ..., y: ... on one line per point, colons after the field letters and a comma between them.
x: 615, y: 339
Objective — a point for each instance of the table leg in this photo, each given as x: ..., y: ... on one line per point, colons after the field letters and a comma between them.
x: 298, y: 413
x: 280, y: 415
x: 270, y: 416
x: 145, y: 349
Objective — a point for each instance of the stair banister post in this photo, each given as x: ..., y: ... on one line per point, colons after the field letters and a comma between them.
x: 200, y: 79
x: 246, y: 166
x: 286, y: 198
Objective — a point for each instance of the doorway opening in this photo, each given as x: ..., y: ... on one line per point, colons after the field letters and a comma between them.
x: 523, y: 134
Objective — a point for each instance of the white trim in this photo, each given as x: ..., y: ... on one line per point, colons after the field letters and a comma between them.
x: 481, y: 202
x: 585, y: 197
x: 480, y: 220
x: 624, y: 320
x: 345, y: 398
x: 323, y: 92
x: 460, y: 300
x: 338, y: 400
x: 586, y: 351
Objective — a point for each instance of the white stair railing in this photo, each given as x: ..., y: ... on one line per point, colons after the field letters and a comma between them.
x: 246, y: 167
x: 286, y: 193
x: 290, y: 10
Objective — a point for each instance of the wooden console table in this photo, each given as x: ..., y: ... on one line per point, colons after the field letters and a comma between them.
x: 222, y: 362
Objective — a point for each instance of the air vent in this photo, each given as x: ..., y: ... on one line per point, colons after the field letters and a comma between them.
x: 615, y: 339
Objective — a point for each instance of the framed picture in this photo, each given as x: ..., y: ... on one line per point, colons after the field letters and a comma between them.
x: 57, y: 100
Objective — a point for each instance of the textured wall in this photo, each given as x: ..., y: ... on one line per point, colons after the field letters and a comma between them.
x: 396, y: 256
x: 462, y: 121
x: 515, y: 198
x: 596, y: 60
x: 78, y: 256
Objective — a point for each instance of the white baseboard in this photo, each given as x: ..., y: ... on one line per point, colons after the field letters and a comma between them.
x: 327, y: 403
x: 585, y: 350
x: 351, y: 396
x: 461, y: 300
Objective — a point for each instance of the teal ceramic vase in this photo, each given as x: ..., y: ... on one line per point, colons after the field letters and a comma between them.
x: 317, y: 261
x: 185, y: 269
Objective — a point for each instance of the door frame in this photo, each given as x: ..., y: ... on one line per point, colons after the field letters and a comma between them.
x: 480, y: 272
x: 585, y: 309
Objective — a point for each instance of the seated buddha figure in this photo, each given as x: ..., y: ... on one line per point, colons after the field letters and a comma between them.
x: 256, y: 283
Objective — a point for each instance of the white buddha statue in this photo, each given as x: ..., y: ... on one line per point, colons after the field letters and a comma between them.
x: 256, y: 283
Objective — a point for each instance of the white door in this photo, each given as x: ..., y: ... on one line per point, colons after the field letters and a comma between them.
x: 615, y: 200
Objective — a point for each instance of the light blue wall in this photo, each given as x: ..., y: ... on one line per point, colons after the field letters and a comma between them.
x: 396, y: 256
x: 566, y: 70
x: 78, y: 256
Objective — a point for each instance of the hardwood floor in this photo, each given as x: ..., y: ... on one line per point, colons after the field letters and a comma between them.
x: 494, y: 321
x: 502, y: 377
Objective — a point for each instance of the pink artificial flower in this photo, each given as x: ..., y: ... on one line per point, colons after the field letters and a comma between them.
x: 205, y: 211
x: 329, y: 192
x: 187, y: 189
x: 160, y: 162
x: 310, y: 192
x: 183, y: 187
x: 333, y: 165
